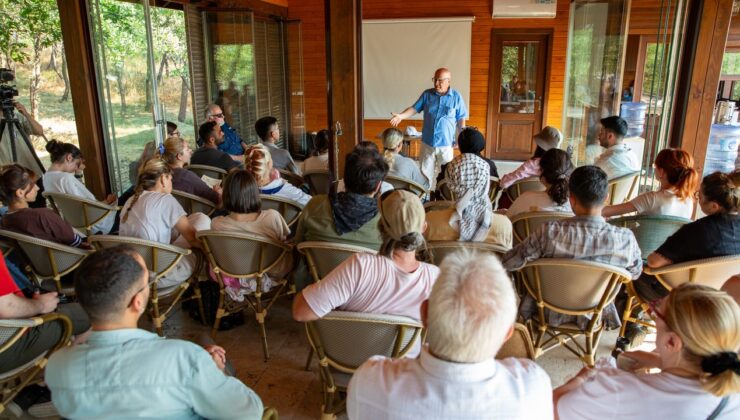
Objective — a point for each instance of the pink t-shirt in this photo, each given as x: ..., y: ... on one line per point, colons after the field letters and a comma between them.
x: 372, y: 284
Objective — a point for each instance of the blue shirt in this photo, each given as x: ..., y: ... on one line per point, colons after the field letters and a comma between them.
x: 133, y: 373
x: 441, y: 113
x: 232, y: 141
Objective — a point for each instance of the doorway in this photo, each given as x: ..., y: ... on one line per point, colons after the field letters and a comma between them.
x: 517, y: 91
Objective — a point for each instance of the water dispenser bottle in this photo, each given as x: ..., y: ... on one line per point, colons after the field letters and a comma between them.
x: 722, y: 148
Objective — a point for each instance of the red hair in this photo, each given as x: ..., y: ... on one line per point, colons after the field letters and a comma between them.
x: 678, y: 166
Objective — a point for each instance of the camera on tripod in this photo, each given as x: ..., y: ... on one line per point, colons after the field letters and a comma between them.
x: 7, y: 91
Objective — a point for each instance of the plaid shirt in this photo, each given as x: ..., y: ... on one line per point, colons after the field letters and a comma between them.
x: 588, y: 238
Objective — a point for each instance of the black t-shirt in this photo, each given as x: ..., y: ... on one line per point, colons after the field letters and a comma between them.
x: 711, y: 236
x: 213, y: 157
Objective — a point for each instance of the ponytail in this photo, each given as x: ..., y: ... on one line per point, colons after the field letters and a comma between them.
x: 149, y: 175
x: 59, y: 150
x: 392, y: 137
x: 678, y: 166
x: 556, y: 168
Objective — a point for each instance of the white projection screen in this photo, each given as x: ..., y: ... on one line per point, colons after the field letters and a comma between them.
x: 399, y: 57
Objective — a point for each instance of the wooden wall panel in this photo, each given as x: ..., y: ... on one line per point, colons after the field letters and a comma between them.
x: 314, y: 57
x: 645, y: 16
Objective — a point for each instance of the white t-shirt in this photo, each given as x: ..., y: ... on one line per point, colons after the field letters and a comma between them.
x: 618, y: 160
x: 372, y: 284
x: 153, y: 217
x: 616, y: 394
x: 430, y: 388
x: 536, y: 201
x: 66, y: 183
x: 281, y: 188
x: 664, y: 203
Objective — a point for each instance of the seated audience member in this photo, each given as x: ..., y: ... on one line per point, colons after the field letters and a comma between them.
x: 715, y: 235
x: 269, y: 132
x: 242, y: 201
x: 393, y: 282
x: 698, y: 336
x: 674, y: 168
x: 231, y: 144
x: 556, y: 169
x: 176, y: 152
x: 127, y: 372
x: 470, y: 140
x: 66, y: 161
x: 258, y: 161
x: 211, y: 135
x: 472, y: 218
x: 548, y: 138
x: 350, y: 216
x: 17, y: 189
x: 732, y: 287
x: 587, y: 236
x: 468, y: 317
x: 172, y: 130
x: 320, y: 159
x: 35, y: 341
x: 150, y: 149
x: 154, y: 214
x: 618, y: 159
x: 400, y: 165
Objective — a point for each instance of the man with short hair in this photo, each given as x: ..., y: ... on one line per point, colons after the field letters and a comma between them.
x: 618, y: 159
x: 469, y: 315
x: 587, y: 236
x: 127, y: 372
x: 232, y: 142
x: 269, y: 132
x: 350, y: 216
x: 444, y: 112
x: 208, y: 154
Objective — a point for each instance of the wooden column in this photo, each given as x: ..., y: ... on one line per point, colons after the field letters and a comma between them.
x: 707, y: 26
x: 344, y: 78
x: 78, y: 50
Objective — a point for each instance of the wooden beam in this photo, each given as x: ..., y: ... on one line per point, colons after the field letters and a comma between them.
x: 700, y: 68
x: 78, y: 51
x: 344, y: 78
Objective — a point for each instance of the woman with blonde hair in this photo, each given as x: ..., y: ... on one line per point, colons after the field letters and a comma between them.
x: 154, y: 214
x: 697, y: 343
x: 674, y: 168
x: 400, y: 165
x: 258, y: 162
x: 176, y: 152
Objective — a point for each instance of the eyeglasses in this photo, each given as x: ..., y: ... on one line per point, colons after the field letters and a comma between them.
x: 654, y: 311
x: 219, y: 115
x: 435, y: 80
x: 150, y: 281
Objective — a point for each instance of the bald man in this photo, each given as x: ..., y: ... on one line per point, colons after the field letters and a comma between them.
x: 444, y: 112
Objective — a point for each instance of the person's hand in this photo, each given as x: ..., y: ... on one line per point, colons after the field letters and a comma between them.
x: 218, y: 354
x: 217, y: 189
x: 111, y: 198
x: 47, y: 302
x: 642, y: 360
x: 19, y: 106
x: 397, y: 118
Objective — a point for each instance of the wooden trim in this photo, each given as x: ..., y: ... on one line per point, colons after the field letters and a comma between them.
x: 83, y: 86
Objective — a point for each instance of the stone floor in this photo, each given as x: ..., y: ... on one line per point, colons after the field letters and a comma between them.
x: 282, y: 383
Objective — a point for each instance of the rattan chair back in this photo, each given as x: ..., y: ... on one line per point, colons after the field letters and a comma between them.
x: 318, y: 181
x: 519, y: 345
x: 712, y: 272
x: 80, y: 212
x: 525, y: 224
x: 623, y: 188
x: 650, y: 231
x: 438, y: 250
x: 406, y: 184
x: 210, y: 171
x: 444, y: 190
x: 438, y: 205
x: 323, y: 257
x: 193, y: 204
x: 289, y: 209
x: 523, y: 185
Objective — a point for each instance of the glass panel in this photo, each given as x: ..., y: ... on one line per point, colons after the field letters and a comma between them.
x: 652, y: 81
x: 731, y: 63
x: 519, y: 77
x: 735, y: 93
x: 297, y: 135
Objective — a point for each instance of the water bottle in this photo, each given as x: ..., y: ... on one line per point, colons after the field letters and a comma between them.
x: 722, y: 148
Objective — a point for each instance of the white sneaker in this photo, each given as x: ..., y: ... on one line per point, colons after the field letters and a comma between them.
x: 42, y: 410
x: 14, y: 409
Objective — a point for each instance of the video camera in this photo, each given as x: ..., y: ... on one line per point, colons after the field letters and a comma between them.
x: 7, y: 90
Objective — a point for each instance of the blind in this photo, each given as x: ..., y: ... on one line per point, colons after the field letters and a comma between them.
x: 399, y: 57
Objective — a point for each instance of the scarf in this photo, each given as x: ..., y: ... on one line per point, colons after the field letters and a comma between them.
x: 468, y: 178
x: 351, y: 211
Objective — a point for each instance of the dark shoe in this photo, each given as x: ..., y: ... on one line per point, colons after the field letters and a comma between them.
x: 30, y: 395
x: 636, y: 334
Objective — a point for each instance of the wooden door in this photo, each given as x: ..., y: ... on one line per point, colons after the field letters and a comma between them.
x: 517, y: 93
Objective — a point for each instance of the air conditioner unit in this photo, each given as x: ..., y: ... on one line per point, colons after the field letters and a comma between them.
x: 544, y: 9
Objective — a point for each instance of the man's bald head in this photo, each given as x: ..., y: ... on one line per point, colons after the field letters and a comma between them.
x: 441, y: 80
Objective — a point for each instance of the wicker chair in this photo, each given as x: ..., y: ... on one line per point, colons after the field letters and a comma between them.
x: 650, y: 231
x: 523, y: 185
x: 440, y: 249
x: 270, y: 413
x: 712, y: 272
x: 210, y: 171
x: 80, y: 212
x: 518, y: 345
x: 245, y: 256
x: 289, y: 209
x: 293, y: 179
x: 160, y: 259
x: 438, y: 205
x: 318, y: 181
x: 345, y: 340
x: 525, y: 223
x: 495, y: 191
x: 571, y: 287
x: 11, y: 330
x: 623, y: 188
x: 444, y: 191
x: 48, y: 260
x: 193, y: 204
x: 406, y: 184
